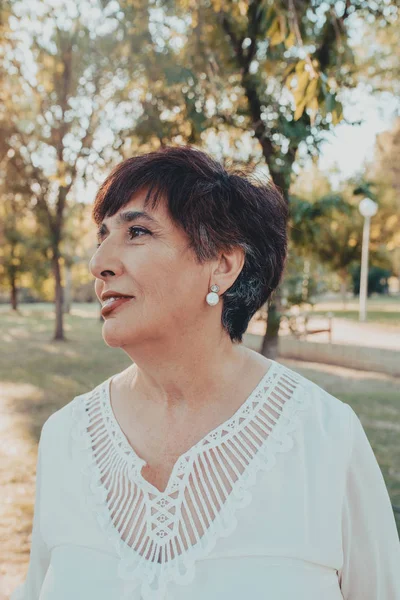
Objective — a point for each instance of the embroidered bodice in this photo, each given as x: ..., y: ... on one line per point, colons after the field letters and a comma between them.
x: 160, y: 535
x: 285, y: 499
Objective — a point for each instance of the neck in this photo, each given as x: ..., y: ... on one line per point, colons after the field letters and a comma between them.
x: 184, y: 373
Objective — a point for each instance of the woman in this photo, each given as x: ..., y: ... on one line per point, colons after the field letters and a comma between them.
x: 204, y: 470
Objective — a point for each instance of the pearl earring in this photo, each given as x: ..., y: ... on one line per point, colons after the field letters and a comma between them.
x: 212, y: 297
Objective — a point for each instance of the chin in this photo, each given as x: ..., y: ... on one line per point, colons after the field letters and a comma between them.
x: 113, y: 335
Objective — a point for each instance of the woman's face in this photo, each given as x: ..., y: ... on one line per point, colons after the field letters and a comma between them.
x: 148, y: 258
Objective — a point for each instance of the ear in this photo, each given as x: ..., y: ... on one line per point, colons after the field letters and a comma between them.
x: 228, y: 268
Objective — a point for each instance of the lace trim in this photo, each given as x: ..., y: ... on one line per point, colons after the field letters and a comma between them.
x: 109, y: 460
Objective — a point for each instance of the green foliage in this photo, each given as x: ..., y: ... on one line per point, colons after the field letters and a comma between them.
x: 273, y: 67
x: 377, y: 279
x: 23, y: 259
x: 315, y: 222
x: 382, y: 184
x: 294, y: 290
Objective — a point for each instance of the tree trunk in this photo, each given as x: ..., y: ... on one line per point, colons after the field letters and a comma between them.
x: 343, y: 287
x: 270, y: 343
x: 67, y: 290
x: 59, y: 329
x: 306, y: 280
x: 280, y: 178
x: 14, y: 304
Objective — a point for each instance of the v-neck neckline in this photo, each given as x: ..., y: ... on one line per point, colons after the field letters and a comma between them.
x: 181, y: 462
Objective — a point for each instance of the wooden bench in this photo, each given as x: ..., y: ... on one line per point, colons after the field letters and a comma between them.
x: 299, y: 324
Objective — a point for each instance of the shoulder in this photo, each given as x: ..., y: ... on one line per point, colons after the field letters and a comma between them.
x: 325, y: 413
x: 60, y: 423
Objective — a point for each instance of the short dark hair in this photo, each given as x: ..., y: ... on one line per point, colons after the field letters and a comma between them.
x: 218, y: 210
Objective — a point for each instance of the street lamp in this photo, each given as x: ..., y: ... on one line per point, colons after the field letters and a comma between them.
x: 368, y: 209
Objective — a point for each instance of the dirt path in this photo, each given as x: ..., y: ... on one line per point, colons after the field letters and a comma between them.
x: 346, y: 331
x: 18, y: 453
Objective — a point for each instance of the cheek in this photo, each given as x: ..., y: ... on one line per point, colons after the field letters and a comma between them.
x: 185, y: 293
x: 171, y: 281
x: 167, y: 292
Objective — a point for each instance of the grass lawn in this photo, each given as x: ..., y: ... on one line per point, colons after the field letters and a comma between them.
x: 380, y: 309
x: 383, y: 318
x: 38, y: 376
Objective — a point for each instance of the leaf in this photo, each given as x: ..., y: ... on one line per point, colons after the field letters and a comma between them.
x: 290, y: 40
x: 302, y: 82
x: 282, y: 25
x: 337, y: 113
x: 277, y: 31
x: 313, y: 104
x: 312, y: 90
x: 269, y: 67
x: 277, y: 38
x: 288, y: 69
x: 242, y: 8
x: 299, y: 110
x: 300, y: 66
x: 273, y: 27
x: 269, y: 17
x: 339, y: 109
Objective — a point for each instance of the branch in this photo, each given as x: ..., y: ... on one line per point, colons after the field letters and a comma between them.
x: 36, y: 174
x: 87, y: 138
x: 296, y: 29
x: 236, y: 43
x: 254, y: 103
x: 346, y: 10
x: 34, y: 90
x: 255, y: 11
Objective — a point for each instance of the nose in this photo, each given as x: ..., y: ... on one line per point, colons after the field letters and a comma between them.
x: 105, y: 261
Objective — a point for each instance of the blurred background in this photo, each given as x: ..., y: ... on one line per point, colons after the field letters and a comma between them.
x: 303, y: 91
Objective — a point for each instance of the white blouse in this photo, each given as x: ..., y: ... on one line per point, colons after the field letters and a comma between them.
x: 283, y: 500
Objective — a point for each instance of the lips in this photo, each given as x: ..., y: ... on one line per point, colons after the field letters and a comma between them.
x: 115, y: 304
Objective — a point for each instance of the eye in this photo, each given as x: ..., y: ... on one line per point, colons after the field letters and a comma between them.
x: 135, y: 228
x: 132, y: 230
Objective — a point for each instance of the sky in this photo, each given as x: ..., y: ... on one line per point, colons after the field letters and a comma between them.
x: 349, y: 146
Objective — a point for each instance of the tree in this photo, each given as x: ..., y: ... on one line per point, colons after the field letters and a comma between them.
x: 23, y: 241
x: 381, y: 182
x: 275, y: 68
x: 330, y: 229
x: 13, y: 247
x: 75, y: 245
x: 62, y: 106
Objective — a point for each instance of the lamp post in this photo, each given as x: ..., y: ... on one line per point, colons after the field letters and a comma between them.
x: 368, y: 209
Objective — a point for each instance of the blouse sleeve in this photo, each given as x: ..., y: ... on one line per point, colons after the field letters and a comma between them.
x: 371, y: 546
x: 39, y: 555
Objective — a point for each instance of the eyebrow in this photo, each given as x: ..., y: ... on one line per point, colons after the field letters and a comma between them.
x: 126, y: 217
